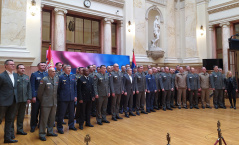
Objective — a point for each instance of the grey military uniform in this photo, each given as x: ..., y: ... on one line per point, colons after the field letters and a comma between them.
x: 156, y: 96
x: 217, y: 83
x: 47, y: 95
x: 58, y: 73
x: 173, y: 92
x: 140, y: 85
x: 166, y: 83
x: 193, y: 83
x: 102, y: 89
x: 116, y: 85
x: 24, y: 93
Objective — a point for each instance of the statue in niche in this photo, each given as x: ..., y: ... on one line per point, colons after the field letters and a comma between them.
x: 156, y: 33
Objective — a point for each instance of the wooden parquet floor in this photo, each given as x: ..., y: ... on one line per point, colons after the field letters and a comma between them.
x: 186, y: 127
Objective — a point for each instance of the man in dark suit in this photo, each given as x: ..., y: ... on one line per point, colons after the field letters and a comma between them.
x: 129, y: 91
x: 35, y: 81
x: 85, y: 96
x: 67, y: 95
x: 8, y: 99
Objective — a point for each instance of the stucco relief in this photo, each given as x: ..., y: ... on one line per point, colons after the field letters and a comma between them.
x: 138, y: 3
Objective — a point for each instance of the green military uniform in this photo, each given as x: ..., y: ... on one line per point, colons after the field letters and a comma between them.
x: 24, y: 93
x: 102, y: 89
x: 47, y: 94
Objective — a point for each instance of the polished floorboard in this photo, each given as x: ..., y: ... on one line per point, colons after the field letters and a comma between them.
x: 186, y: 127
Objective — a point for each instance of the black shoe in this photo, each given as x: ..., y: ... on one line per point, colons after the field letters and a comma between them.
x: 113, y: 118
x: 127, y: 115
x: 100, y: 123
x: 231, y: 106
x: 118, y: 117
x: 121, y: 111
x: 89, y: 125
x: 144, y: 112
x: 81, y: 127
x: 179, y: 107
x: 32, y: 129
x: 10, y: 141
x: 54, y: 125
x: 209, y: 107
x: 164, y: 109
x: 186, y: 107
x: 13, y: 137
x: 157, y: 109
x: 132, y: 114
x: 61, y: 131
x: 216, y: 107
x: 203, y: 107
x: 224, y: 107
x: 173, y: 106
x: 196, y: 107
x: 64, y: 123
x: 53, y: 134
x: 22, y: 133
x: 235, y: 107
x: 93, y: 115
x: 137, y: 112
x: 191, y: 107
x: 42, y: 138
x: 170, y: 109
x: 152, y: 110
x: 105, y: 121
x: 148, y: 111
x: 73, y: 128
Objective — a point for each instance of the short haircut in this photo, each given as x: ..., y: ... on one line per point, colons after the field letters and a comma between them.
x: 40, y: 63
x: 89, y: 66
x: 140, y: 66
x: 128, y: 69
x: 219, y: 68
x: 122, y: 66
x: 80, y: 68
x: 102, y: 66
x: 67, y: 65
x: 19, y: 65
x: 6, y: 62
x: 58, y: 63
x: 108, y: 66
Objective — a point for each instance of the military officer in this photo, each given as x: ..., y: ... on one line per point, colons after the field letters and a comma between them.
x: 123, y: 97
x: 79, y: 72
x: 151, y: 90
x: 92, y: 75
x: 67, y: 95
x: 181, y: 86
x: 35, y: 81
x: 117, y: 89
x: 24, y: 96
x: 204, y: 83
x: 85, y: 96
x: 47, y: 95
x: 173, y: 92
x: 8, y: 99
x: 139, y: 78
x: 217, y: 84
x: 193, y: 86
x: 156, y: 76
x: 129, y: 91
x: 108, y: 71
x: 58, y: 69
x: 102, y: 92
x: 167, y: 86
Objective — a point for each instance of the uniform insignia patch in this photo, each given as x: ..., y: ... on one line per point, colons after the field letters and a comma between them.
x: 41, y: 82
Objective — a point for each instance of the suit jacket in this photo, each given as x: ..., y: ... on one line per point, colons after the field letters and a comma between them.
x: 101, y: 84
x: 35, y: 81
x: 128, y: 86
x: 116, y: 82
x: 193, y: 81
x: 234, y: 83
x: 217, y: 80
x: 166, y: 81
x: 140, y: 81
x: 24, y: 92
x: 151, y: 83
x: 85, y: 89
x: 47, y: 91
x: 8, y: 92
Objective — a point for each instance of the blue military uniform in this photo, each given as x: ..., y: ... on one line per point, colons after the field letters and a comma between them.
x: 66, y: 96
x: 35, y: 81
x: 151, y: 86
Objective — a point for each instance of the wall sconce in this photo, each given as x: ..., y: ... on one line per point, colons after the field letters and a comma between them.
x: 33, y: 8
x: 129, y: 26
x: 201, y: 30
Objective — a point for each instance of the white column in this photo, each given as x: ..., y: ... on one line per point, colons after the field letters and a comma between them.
x: 190, y: 28
x: 121, y: 39
x: 60, y: 35
x: 225, y: 45
x: 212, y: 52
x: 107, y: 36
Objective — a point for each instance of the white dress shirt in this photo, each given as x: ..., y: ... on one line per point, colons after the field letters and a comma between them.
x: 11, y: 76
x: 130, y: 78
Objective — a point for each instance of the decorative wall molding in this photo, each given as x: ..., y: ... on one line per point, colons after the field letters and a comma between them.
x: 202, y: 2
x: 117, y: 3
x: 224, y: 20
x: 223, y: 6
x: 158, y: 2
x: 154, y: 7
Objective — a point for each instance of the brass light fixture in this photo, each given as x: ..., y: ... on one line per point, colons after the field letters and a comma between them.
x: 129, y: 26
x: 33, y: 8
x: 201, y: 30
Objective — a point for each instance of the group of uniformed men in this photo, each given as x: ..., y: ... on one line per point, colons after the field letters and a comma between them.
x: 98, y: 91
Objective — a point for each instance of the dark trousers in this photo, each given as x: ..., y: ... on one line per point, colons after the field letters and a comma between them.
x: 175, y: 95
x: 93, y: 108
x: 166, y: 98
x: 193, y: 98
x: 77, y: 115
x: 172, y: 98
x: 134, y: 101
x: 109, y: 104
x: 9, y: 112
x: 35, y: 113
x: 140, y: 101
x: 47, y: 120
x: 115, y: 104
x: 85, y: 109
x: 160, y: 98
x: 150, y: 100
x: 128, y: 101
x: 232, y: 95
x: 20, y: 111
x: 156, y: 102
x: 218, y: 98
x: 101, y: 107
x: 63, y: 106
x: 122, y: 100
